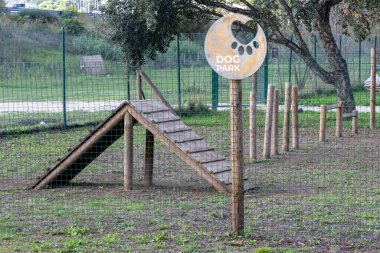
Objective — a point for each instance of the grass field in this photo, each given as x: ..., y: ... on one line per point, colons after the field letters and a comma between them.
x: 322, y: 198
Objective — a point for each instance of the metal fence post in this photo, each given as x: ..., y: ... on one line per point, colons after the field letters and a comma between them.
x: 128, y: 84
x: 375, y: 46
x: 64, y: 77
x: 290, y: 61
x: 214, y: 90
x: 179, y: 74
x: 360, y: 61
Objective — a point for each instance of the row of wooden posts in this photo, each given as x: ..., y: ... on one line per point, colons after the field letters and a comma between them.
x: 271, y: 132
x: 291, y: 108
x: 339, y: 120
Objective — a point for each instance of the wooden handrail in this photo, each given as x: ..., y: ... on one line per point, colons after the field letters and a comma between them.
x: 156, y: 91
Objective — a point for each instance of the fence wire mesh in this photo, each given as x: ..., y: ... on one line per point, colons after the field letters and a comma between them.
x: 322, y: 197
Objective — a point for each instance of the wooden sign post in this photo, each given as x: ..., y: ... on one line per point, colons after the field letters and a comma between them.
x: 235, y: 61
x: 237, y: 156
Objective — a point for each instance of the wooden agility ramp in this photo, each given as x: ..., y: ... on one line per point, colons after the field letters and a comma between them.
x: 161, y: 121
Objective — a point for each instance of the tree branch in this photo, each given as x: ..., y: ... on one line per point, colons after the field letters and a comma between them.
x: 301, y: 50
x: 296, y: 31
x: 253, y: 12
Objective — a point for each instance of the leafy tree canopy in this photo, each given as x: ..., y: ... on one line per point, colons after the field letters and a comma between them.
x: 144, y: 27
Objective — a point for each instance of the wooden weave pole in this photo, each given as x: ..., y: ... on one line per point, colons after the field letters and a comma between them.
x: 286, y: 128
x: 295, y: 125
x: 253, y: 119
x: 274, y: 145
x: 149, y: 158
x: 322, y: 123
x: 128, y: 152
x: 355, y: 128
x: 373, y: 89
x: 237, y: 187
x: 339, y: 121
x: 268, y: 123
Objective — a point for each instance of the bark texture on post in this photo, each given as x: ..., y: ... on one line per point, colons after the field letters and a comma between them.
x: 139, y: 86
x: 322, y: 124
x: 295, y: 125
x: 252, y: 119
x: 268, y: 123
x: 237, y: 188
x: 128, y: 152
x: 149, y: 158
x: 355, y: 127
x: 339, y: 119
x: 286, y: 127
x: 274, y: 145
x: 373, y: 89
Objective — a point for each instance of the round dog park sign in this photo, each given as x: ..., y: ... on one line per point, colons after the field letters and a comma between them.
x: 229, y: 57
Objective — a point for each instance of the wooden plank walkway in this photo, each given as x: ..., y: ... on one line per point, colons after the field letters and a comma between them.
x: 165, y: 125
x: 183, y: 141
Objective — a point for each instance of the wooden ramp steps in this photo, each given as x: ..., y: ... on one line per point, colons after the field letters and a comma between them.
x: 183, y: 141
x: 165, y: 125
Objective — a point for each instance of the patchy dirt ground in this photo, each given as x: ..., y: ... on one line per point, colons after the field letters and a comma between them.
x: 321, y: 198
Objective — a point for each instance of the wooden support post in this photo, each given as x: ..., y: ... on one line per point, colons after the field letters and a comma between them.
x: 268, y: 123
x: 295, y: 125
x: 128, y: 152
x: 149, y: 158
x: 237, y: 188
x: 355, y: 128
x: 286, y: 128
x: 339, y: 119
x: 373, y: 89
x: 139, y: 86
x: 274, y: 145
x: 252, y: 119
x: 322, y: 124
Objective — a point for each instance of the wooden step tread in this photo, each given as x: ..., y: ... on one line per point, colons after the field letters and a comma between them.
x: 144, y: 105
x: 218, y: 166
x: 226, y: 177
x: 213, y: 160
x: 165, y: 120
x: 191, y: 139
x: 155, y: 110
x: 199, y: 150
x: 171, y: 126
x: 193, y: 145
x: 177, y: 130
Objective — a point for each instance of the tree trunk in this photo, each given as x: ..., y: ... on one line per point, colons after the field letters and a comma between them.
x: 342, y: 80
x: 344, y: 91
